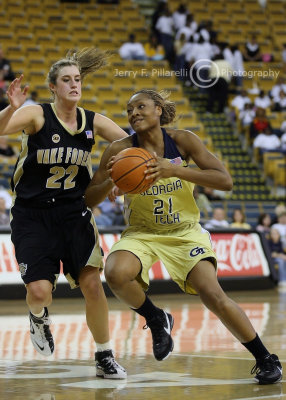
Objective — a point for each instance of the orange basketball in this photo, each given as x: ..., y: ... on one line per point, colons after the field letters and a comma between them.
x: 128, y: 170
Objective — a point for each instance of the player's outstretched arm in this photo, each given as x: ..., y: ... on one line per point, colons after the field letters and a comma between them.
x: 14, y: 118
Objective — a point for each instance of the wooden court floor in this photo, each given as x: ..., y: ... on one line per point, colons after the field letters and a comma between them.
x: 207, y: 362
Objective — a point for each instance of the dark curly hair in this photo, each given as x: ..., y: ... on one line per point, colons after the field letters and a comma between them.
x: 161, y: 99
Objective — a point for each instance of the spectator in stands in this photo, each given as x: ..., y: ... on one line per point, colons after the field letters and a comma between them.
x: 264, y: 224
x: 267, y: 141
x: 205, y: 29
x: 5, y: 148
x: 189, y: 29
x: 252, y: 50
x: 247, y: 115
x: 281, y: 227
x: 278, y: 254
x: 4, y: 217
x: 262, y: 100
x: 260, y: 123
x: 5, y: 67
x: 237, y: 66
x: 226, y: 52
x: 186, y: 50
x: 32, y: 100
x: 279, y: 102
x: 279, y: 85
x: 165, y: 28
x: 132, y: 50
x: 218, y: 220
x: 4, y: 194
x: 220, y: 75
x: 238, y: 220
x: 109, y: 213
x: 161, y: 6
x: 154, y: 50
x: 180, y: 47
x: 240, y: 100
x: 283, y: 127
x: 3, y: 101
x: 279, y: 209
x: 200, y: 62
x: 202, y: 202
x: 180, y: 17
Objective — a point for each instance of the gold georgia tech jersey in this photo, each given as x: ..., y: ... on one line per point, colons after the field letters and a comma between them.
x: 169, y: 204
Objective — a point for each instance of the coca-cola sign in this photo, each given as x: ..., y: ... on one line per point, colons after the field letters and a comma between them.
x: 239, y: 254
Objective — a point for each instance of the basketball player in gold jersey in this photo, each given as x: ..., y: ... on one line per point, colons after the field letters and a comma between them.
x: 164, y: 225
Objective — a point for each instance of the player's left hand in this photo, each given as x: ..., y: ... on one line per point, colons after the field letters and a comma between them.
x: 158, y: 169
x: 115, y: 191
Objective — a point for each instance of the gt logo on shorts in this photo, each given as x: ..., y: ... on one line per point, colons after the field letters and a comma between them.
x: 196, y: 251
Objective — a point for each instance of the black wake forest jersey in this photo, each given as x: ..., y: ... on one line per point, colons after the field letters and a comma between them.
x: 55, y: 164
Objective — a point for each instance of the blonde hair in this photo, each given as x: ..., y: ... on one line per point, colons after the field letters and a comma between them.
x: 87, y: 60
x: 161, y: 99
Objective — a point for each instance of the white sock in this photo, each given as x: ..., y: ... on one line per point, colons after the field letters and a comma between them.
x: 103, y: 346
x: 41, y: 314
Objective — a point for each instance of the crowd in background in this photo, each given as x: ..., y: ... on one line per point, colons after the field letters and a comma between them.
x: 191, y: 46
x: 216, y: 69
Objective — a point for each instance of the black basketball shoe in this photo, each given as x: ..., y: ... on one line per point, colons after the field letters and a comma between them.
x: 161, y: 326
x: 268, y: 370
x: 107, y: 367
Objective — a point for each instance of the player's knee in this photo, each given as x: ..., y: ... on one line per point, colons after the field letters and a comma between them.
x: 114, y: 277
x: 215, y: 300
x: 92, y: 286
x: 39, y: 293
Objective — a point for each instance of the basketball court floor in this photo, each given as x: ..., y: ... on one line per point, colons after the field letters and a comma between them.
x: 207, y: 362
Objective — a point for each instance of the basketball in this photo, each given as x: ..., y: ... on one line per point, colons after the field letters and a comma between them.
x: 128, y: 170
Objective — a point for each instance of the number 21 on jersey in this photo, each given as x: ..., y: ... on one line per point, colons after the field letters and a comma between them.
x: 162, y: 217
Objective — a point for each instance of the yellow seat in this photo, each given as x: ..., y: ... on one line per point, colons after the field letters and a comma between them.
x: 280, y: 174
x: 120, y: 82
x: 182, y: 106
x: 120, y: 120
x: 269, y: 159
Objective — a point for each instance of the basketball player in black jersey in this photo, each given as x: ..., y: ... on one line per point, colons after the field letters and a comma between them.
x: 50, y: 222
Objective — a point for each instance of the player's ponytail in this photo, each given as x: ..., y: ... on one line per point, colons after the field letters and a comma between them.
x: 87, y: 60
x: 161, y: 99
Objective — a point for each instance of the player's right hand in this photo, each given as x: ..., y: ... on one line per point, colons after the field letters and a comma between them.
x: 15, y: 94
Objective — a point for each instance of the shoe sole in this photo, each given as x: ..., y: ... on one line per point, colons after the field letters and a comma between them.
x: 45, y: 352
x: 260, y: 382
x: 171, y: 326
x: 105, y: 376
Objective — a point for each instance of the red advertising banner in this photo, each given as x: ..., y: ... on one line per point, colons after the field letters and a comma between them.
x: 239, y: 255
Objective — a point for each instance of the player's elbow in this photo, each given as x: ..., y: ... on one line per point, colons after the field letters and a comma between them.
x: 227, y: 183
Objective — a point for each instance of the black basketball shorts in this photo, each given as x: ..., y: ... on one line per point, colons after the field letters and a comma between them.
x: 46, y: 237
